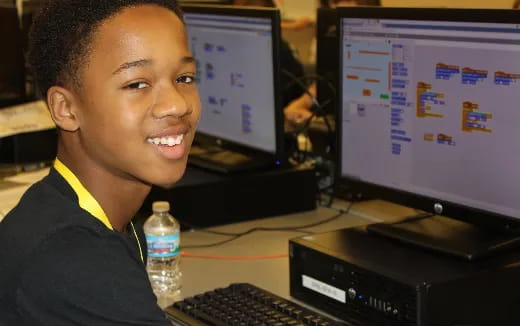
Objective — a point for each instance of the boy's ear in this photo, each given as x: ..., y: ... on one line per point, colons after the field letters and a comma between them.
x: 62, y: 108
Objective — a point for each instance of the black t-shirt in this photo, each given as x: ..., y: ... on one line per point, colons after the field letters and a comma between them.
x: 59, y: 265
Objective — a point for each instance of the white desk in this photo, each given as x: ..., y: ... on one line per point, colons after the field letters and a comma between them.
x: 201, y: 274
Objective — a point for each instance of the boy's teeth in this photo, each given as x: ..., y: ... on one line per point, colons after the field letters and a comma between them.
x: 168, y: 141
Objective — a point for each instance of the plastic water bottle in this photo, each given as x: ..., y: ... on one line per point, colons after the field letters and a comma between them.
x: 163, y: 240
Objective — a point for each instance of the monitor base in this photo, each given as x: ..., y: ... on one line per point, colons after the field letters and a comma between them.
x: 449, y: 236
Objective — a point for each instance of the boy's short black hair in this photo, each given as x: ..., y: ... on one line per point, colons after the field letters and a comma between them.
x: 61, y: 35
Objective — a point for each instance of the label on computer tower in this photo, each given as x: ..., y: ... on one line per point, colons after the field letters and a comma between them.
x: 324, y: 288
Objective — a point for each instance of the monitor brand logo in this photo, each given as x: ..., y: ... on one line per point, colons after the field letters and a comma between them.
x: 437, y: 208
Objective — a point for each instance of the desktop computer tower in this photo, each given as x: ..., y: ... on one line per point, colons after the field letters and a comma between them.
x: 365, y: 279
x: 204, y: 198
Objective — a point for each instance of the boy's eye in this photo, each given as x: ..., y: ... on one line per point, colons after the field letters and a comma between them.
x: 137, y: 85
x: 186, y: 79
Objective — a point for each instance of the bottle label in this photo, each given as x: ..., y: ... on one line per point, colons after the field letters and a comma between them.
x: 161, y: 246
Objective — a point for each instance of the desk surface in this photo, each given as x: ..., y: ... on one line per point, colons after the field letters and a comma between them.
x: 202, y: 274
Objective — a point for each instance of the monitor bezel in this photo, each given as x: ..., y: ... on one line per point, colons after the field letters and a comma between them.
x: 328, y: 79
x: 359, y: 189
x: 256, y: 12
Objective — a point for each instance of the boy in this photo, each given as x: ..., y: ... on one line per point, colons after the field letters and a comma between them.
x: 119, y: 82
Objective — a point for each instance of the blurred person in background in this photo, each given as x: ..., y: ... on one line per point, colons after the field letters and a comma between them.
x: 299, y: 110
x: 290, y: 65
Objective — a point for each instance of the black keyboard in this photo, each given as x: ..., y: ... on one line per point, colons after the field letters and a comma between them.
x: 243, y: 304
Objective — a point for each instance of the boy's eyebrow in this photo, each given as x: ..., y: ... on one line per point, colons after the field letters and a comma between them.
x: 131, y: 64
x: 187, y: 60
x: 147, y: 62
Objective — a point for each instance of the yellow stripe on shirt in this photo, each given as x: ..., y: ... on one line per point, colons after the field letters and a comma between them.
x: 85, y: 199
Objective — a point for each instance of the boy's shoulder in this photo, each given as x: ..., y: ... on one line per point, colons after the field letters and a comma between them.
x: 47, y: 205
x: 46, y: 209
x: 53, y: 254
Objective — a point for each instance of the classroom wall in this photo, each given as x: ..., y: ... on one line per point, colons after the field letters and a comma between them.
x: 292, y: 9
x: 503, y: 4
x: 306, y: 8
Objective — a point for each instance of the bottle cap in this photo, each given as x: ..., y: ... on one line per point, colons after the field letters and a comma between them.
x: 161, y: 206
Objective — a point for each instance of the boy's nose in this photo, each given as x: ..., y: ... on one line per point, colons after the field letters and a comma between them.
x: 170, y: 102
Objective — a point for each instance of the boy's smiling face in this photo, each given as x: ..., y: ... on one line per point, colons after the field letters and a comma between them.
x: 138, y: 104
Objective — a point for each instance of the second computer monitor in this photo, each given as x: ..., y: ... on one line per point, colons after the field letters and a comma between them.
x: 429, y: 105
x: 236, y: 50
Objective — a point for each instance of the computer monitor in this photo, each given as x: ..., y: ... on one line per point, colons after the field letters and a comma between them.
x: 237, y: 50
x: 12, y: 70
x: 429, y: 105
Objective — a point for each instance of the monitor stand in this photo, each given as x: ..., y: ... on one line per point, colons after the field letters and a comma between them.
x: 449, y: 236
x: 218, y: 159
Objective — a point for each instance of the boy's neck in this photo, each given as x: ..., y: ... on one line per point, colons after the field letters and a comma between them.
x: 119, y: 197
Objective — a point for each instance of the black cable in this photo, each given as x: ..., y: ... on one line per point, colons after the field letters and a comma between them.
x: 194, y: 228
x: 302, y: 86
x: 324, y: 104
x: 200, y: 229
x: 340, y: 213
x: 238, y: 235
x: 235, y: 236
x: 330, y: 219
x: 306, y: 125
x: 331, y: 195
x: 317, y: 108
x: 312, y: 77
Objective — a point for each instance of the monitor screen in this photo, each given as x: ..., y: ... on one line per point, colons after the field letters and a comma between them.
x: 236, y: 50
x: 429, y: 105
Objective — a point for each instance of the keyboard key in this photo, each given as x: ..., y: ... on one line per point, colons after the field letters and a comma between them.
x: 307, y: 319
x: 296, y: 313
